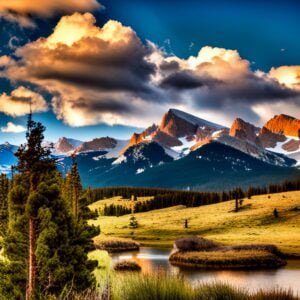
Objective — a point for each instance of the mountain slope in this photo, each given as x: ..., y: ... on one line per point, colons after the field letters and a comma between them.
x: 65, y: 145
x: 214, y: 166
x: 178, y: 132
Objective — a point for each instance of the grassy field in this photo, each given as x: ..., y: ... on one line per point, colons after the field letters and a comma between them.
x: 253, y: 224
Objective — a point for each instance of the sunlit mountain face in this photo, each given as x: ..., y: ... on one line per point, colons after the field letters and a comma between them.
x: 151, y: 80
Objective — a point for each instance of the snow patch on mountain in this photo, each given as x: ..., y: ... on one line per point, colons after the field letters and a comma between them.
x: 115, y: 152
x: 122, y: 158
x: 184, y: 149
x: 139, y: 171
x: 278, y: 148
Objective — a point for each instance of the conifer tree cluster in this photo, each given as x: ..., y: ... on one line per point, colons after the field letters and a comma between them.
x: 46, y: 242
x: 162, y: 198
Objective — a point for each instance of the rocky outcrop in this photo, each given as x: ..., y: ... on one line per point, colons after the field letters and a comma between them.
x: 166, y: 140
x: 65, y: 145
x: 268, y: 139
x: 244, y: 131
x: 175, y: 126
x: 178, y: 124
x: 97, y: 144
x: 146, y: 135
x: 285, y: 125
x: 291, y: 146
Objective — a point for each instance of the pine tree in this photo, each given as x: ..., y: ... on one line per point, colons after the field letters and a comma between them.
x: 133, y: 223
x: 33, y: 161
x: 72, y: 188
x: 45, y: 246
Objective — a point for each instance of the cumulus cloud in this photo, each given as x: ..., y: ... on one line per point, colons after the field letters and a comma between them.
x: 17, y: 103
x: 218, y: 78
x: 287, y: 75
x: 13, y: 128
x: 107, y: 74
x: 21, y: 10
x: 96, y: 74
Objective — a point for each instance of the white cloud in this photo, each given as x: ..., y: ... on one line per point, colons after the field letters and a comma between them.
x: 13, y: 128
x: 17, y: 103
x: 287, y: 75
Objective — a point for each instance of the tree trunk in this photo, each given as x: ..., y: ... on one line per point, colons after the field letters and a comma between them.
x: 31, y: 261
x: 236, y: 204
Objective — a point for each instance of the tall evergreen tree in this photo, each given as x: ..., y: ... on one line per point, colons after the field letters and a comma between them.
x: 73, y: 187
x: 45, y: 246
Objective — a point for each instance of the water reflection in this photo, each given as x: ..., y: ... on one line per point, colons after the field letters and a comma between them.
x: 153, y: 259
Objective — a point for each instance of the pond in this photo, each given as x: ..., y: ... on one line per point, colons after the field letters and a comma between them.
x: 154, y: 259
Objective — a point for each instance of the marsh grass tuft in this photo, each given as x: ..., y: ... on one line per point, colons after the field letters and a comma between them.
x: 163, y: 286
x: 117, y: 245
x: 195, y: 243
x: 127, y: 265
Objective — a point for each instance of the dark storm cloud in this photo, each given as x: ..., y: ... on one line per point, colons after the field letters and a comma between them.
x: 186, y: 80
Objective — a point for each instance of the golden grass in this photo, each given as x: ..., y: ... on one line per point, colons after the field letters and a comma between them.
x: 217, y: 222
x: 227, y: 259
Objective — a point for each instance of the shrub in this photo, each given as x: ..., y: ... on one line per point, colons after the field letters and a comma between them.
x: 195, y: 243
x: 127, y: 265
x: 116, y: 245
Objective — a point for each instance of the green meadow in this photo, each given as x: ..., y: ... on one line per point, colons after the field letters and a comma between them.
x: 253, y: 223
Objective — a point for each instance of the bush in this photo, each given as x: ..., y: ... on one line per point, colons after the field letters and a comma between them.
x: 195, y: 243
x: 127, y: 265
x: 117, y: 245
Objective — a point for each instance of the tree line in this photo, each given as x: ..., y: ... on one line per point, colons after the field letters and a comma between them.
x: 163, y: 198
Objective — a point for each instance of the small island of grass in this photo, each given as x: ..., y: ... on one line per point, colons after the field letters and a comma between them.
x: 127, y: 265
x: 198, y: 252
x: 117, y: 245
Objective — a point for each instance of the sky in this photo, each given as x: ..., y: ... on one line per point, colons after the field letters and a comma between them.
x: 108, y: 68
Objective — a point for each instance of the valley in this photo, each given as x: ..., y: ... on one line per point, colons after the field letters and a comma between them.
x: 253, y: 224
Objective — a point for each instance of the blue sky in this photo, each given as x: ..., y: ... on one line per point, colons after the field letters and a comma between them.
x: 265, y: 33
x: 257, y: 29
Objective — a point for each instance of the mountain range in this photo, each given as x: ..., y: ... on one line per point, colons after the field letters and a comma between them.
x: 184, y: 152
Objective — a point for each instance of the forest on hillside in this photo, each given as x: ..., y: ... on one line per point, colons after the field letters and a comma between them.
x: 162, y: 198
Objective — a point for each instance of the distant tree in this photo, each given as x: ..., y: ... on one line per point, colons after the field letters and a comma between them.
x: 186, y: 224
x: 72, y: 188
x: 133, y: 223
x: 236, y: 204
